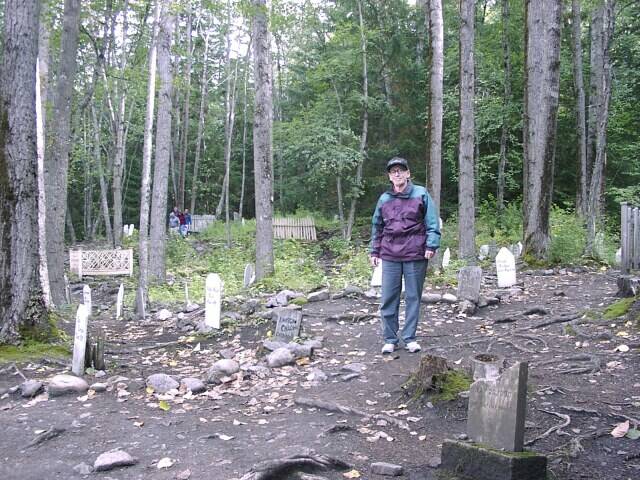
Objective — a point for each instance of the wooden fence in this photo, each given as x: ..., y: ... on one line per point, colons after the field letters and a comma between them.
x: 101, y: 262
x: 201, y: 222
x: 630, y: 238
x: 298, y: 228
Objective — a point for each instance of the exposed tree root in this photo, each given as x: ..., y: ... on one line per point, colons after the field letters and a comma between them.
x: 561, y: 319
x: 296, y: 467
x: 566, y: 420
x: 52, y: 432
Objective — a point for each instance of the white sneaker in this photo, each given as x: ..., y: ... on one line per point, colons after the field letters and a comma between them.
x: 413, y: 347
x: 388, y: 348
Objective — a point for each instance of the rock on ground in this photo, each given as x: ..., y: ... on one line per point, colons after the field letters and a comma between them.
x: 30, y: 388
x: 388, y: 469
x: 163, y: 314
x: 222, y: 368
x: 63, y: 384
x: 113, y: 459
x: 280, y: 357
x: 194, y: 385
x: 318, y: 296
x: 161, y: 382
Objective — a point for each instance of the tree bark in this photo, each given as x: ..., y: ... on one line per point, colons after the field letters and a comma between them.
x: 104, y: 194
x: 182, y: 159
x: 542, y: 75
x: 157, y: 268
x: 263, y: 142
x: 228, y: 133
x: 365, y: 124
x: 436, y: 41
x: 244, y: 132
x: 21, y: 301
x: 56, y: 164
x: 466, y: 193
x: 204, y: 94
x: 506, y: 102
x: 145, y: 187
x: 578, y: 82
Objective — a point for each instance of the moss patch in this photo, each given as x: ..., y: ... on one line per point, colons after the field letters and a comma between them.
x: 449, y: 385
x: 619, y: 308
x: 299, y: 301
x: 31, y: 351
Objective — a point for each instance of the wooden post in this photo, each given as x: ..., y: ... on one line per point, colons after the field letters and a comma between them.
x: 98, y: 352
x: 624, y: 235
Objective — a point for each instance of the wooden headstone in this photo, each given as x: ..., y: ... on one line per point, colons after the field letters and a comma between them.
x: 119, y: 301
x: 86, y: 298
x: 141, y: 304
x: 376, y: 278
x: 288, y: 324
x: 213, y: 300
x: 469, y: 280
x: 497, y: 409
x: 505, y: 268
x: 446, y: 258
x: 249, y: 275
x: 80, y: 340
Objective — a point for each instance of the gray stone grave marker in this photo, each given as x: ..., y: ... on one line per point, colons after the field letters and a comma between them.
x: 469, y: 280
x: 249, y: 275
x: 86, y: 298
x: 446, y: 258
x: 505, y: 268
x: 497, y: 409
x: 288, y: 324
x: 119, y: 300
x: 80, y: 340
x: 213, y: 300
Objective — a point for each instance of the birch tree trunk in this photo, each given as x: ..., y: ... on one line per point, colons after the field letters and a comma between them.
x: 229, y: 123
x: 204, y: 94
x: 436, y: 40
x: 104, y: 194
x: 506, y: 102
x: 244, y: 131
x: 606, y: 12
x: 182, y: 159
x: 365, y: 123
x: 145, y: 187
x: 157, y: 267
x: 542, y: 75
x: 21, y: 301
x: 263, y: 142
x: 578, y: 82
x: 56, y: 164
x: 466, y: 191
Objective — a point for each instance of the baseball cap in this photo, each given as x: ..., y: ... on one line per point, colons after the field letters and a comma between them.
x: 397, y: 161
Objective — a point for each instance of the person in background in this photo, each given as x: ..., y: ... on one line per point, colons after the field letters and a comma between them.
x: 183, y: 224
x: 174, y: 223
x: 405, y: 234
x: 187, y: 222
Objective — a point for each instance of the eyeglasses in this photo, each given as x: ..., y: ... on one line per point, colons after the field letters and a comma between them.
x: 396, y: 171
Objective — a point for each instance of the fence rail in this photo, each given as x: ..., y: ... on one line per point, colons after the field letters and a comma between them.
x: 297, y: 228
x: 630, y: 238
x: 201, y: 222
x: 101, y: 262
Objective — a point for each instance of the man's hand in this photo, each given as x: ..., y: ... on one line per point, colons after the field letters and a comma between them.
x: 429, y: 254
x: 375, y: 261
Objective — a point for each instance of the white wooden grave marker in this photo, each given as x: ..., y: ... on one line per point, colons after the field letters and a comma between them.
x: 376, y: 278
x: 249, y: 275
x: 213, y: 300
x: 505, y: 268
x: 80, y: 340
x: 119, y: 301
x: 446, y: 258
x: 86, y: 298
x: 67, y: 289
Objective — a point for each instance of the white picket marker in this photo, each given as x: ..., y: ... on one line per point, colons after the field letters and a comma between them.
x: 446, y: 258
x: 119, y: 301
x: 213, y: 300
x: 505, y: 268
x: 86, y: 298
x: 80, y: 340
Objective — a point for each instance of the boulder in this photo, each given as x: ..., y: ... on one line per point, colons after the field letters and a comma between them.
x: 280, y: 357
x: 221, y: 368
x: 163, y: 315
x: 64, y: 384
x: 318, y: 296
x: 194, y: 385
x: 162, y: 383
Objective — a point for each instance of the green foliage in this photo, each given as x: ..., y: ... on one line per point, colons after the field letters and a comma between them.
x: 568, y: 237
x: 32, y: 351
x: 619, y: 308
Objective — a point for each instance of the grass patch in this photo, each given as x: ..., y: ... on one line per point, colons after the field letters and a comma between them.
x: 619, y: 308
x: 32, y: 351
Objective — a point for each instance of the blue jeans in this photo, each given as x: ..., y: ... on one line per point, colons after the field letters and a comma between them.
x: 392, y: 273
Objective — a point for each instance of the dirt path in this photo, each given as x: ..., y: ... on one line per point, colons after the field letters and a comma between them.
x: 223, y: 433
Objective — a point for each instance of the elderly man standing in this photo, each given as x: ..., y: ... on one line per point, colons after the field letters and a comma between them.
x: 405, y: 235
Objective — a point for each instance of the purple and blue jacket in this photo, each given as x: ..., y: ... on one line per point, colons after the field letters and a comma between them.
x: 404, y: 225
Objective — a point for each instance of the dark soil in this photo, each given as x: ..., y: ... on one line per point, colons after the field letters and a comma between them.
x: 264, y: 421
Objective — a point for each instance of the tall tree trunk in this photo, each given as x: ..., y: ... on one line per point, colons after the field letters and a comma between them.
x: 542, y: 75
x: 263, y: 142
x: 42, y: 210
x: 70, y: 228
x: 506, y: 103
x: 163, y: 150
x: 606, y: 12
x: 244, y: 131
x: 57, y: 162
x: 365, y: 123
x: 21, y: 301
x: 229, y: 123
x: 343, y: 228
x: 466, y: 191
x: 204, y: 94
x: 595, y: 76
x: 145, y: 183
x: 578, y: 82
x: 436, y: 40
x: 182, y: 160
x: 104, y: 194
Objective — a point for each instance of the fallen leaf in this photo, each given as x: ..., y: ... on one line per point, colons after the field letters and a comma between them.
x: 138, y: 424
x: 165, y: 462
x: 620, y: 430
x: 622, y: 348
x: 352, y: 474
x: 164, y: 405
x: 150, y: 390
x: 224, y: 437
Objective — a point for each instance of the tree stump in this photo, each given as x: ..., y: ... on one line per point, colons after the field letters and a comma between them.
x: 425, y: 378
